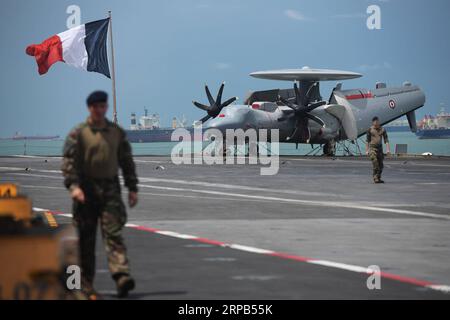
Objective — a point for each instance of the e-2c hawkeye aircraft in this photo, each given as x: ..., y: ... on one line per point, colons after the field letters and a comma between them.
x: 301, y: 114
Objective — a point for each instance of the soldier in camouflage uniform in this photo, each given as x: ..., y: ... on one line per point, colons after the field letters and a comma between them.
x: 93, y: 152
x: 374, y: 148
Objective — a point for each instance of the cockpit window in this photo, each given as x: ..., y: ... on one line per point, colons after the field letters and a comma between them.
x: 264, y: 106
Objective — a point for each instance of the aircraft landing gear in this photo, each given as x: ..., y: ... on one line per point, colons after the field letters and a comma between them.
x: 329, y: 149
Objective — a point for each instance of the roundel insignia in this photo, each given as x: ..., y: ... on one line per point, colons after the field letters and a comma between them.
x: 392, y: 104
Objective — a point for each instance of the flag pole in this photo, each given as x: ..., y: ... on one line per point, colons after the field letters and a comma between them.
x: 113, y: 75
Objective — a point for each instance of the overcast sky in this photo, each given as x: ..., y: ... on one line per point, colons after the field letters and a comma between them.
x: 166, y: 50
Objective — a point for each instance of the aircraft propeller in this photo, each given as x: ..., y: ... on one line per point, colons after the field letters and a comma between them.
x: 301, y: 108
x: 215, y: 106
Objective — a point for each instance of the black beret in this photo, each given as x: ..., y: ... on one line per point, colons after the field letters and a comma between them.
x: 375, y: 119
x: 96, y: 97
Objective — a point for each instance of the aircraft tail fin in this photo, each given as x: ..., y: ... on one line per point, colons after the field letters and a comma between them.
x: 411, y: 116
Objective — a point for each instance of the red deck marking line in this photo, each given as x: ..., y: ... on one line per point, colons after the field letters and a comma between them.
x: 417, y: 282
x: 386, y: 275
x: 289, y: 256
x: 286, y: 256
x: 142, y: 228
x: 209, y: 241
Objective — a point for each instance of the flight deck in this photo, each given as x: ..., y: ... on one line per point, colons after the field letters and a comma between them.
x: 309, y: 232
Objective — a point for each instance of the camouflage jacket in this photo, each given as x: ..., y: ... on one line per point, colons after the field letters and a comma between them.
x: 376, y: 135
x: 97, y: 153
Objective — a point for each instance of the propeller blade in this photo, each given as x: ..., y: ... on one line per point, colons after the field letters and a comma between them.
x: 215, y: 107
x: 331, y: 96
x: 290, y: 111
x: 293, y: 134
x: 308, y: 93
x: 229, y: 101
x: 210, y: 98
x: 204, y: 119
x: 315, y: 119
x: 219, y: 94
x: 287, y: 103
x: 200, y: 106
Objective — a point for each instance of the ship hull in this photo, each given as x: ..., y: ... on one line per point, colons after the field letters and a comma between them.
x: 397, y: 128
x: 433, y: 134
x: 31, y: 138
x: 153, y: 135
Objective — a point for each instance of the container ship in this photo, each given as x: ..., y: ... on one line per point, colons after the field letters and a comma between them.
x: 148, y: 128
x: 437, y: 127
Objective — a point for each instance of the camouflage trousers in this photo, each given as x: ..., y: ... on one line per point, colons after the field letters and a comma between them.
x: 103, y: 205
x: 377, y: 157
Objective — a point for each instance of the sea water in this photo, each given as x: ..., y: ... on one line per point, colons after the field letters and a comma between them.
x: 54, y: 147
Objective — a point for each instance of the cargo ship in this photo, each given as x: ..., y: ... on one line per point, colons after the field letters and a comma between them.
x: 437, y: 127
x: 148, y: 128
x: 400, y: 125
x: 19, y: 136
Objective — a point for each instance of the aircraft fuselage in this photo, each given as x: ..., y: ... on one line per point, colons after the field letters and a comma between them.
x: 347, y: 115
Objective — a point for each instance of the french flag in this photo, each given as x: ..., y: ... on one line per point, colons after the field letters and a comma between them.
x: 82, y: 47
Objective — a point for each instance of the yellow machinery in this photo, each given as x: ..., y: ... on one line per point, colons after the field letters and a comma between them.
x: 34, y: 252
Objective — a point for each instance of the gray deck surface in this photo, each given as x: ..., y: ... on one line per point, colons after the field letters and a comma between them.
x: 318, y: 208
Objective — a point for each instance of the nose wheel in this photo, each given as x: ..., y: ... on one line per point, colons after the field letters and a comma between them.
x: 329, y: 149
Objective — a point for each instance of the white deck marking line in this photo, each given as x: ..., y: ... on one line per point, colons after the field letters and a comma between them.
x: 443, y: 288
x: 390, y: 205
x: 67, y: 215
x: 150, y: 161
x: 235, y: 187
x: 37, y: 209
x: 383, y: 205
x: 160, y: 194
x: 432, y: 183
x: 35, y: 175
x: 249, y: 249
x: 187, y: 182
x: 131, y: 225
x: 337, y: 265
x: 325, y: 263
x: 347, y: 205
x: 23, y: 169
x: 41, y: 187
x: 310, y: 202
x: 211, y: 184
x: 176, y: 235
x: 410, y: 162
x: 198, y: 197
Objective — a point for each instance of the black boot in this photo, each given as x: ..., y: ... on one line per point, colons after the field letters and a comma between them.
x: 124, y: 283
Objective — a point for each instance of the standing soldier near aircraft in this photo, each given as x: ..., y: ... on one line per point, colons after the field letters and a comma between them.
x: 93, y: 153
x: 374, y: 148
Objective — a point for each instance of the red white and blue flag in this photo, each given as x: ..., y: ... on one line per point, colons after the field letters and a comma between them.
x: 82, y: 47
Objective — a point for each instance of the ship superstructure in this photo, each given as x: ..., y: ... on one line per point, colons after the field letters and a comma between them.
x: 148, y: 128
x: 437, y: 127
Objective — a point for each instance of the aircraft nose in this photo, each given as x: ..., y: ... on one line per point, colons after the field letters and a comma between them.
x: 222, y: 124
x: 229, y: 118
x: 215, y: 124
